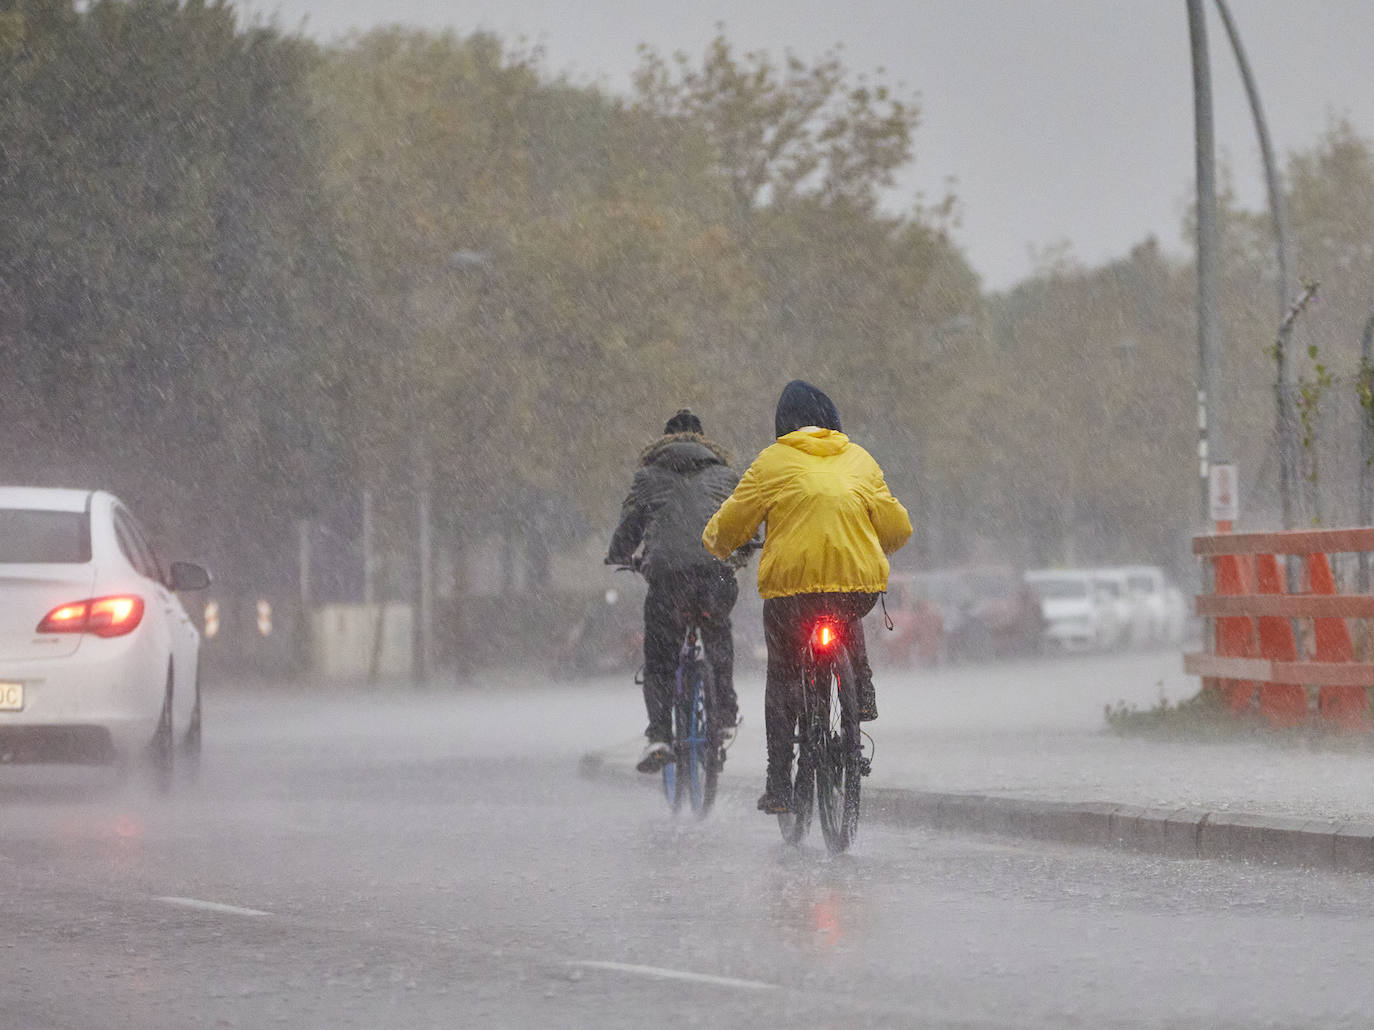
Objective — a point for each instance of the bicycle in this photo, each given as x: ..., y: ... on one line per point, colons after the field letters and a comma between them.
x: 828, y: 748
x: 698, y: 755
x: 696, y: 752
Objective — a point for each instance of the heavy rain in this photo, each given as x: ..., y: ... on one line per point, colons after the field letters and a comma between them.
x: 381, y: 312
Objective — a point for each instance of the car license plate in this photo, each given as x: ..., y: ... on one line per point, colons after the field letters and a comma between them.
x: 11, y: 697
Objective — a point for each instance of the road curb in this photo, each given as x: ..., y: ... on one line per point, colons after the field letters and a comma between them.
x: 1176, y: 832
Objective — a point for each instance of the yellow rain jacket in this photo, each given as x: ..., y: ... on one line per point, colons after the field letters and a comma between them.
x: 830, y: 519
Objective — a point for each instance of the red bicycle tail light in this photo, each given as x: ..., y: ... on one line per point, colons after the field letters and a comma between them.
x: 824, y: 635
x: 102, y: 616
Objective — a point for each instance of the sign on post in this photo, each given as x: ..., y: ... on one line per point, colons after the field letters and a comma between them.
x: 1223, y: 493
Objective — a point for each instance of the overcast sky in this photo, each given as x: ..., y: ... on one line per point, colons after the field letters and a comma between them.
x: 1059, y: 120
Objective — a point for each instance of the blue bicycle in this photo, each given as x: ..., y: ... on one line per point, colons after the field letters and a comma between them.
x: 697, y: 752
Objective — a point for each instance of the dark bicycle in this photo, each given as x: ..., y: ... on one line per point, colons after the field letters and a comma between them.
x: 828, y: 746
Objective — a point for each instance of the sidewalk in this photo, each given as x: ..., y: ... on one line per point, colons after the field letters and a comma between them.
x: 1024, y: 748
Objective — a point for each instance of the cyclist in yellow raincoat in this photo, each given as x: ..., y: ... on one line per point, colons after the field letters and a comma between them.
x: 830, y: 522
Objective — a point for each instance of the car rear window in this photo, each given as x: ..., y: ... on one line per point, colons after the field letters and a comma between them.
x: 1059, y: 589
x: 34, y: 537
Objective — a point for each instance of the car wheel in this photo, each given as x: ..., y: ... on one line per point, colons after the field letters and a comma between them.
x: 162, y: 750
x: 189, y: 763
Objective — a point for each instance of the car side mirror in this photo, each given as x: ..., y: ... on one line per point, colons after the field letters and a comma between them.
x: 189, y: 576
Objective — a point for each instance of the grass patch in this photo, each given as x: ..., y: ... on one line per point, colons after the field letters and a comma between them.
x: 1203, y: 715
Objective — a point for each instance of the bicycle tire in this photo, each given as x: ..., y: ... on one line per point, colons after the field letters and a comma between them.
x: 838, y: 762
x: 702, y: 768
x: 675, y: 784
x: 692, y: 777
x: 795, y: 824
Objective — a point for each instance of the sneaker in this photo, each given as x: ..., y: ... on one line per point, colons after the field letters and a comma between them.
x: 656, y: 755
x: 772, y: 804
x: 868, y: 702
x: 725, y: 735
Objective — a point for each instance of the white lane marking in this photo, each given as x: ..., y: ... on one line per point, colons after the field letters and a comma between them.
x: 677, y: 974
x: 212, y: 906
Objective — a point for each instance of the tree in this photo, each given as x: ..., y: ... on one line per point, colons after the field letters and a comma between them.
x: 784, y: 133
x: 174, y: 274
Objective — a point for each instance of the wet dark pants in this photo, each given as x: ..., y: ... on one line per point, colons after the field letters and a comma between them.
x: 786, y: 623
x: 706, y: 596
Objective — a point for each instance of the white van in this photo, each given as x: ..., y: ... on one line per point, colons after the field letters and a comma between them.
x: 1069, y: 602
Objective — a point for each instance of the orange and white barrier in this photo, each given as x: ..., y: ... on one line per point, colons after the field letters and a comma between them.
x: 1256, y: 661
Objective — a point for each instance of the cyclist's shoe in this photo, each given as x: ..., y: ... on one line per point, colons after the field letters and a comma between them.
x: 868, y: 702
x: 656, y: 755
x: 774, y: 804
x: 725, y: 734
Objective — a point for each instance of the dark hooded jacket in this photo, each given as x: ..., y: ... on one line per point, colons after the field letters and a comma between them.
x: 681, y: 481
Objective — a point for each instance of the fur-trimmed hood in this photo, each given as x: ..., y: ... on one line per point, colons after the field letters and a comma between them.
x: 682, y: 451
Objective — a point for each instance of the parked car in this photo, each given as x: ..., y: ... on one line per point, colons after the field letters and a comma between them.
x: 1165, y: 609
x: 918, y: 626
x: 1125, y: 617
x: 988, y: 610
x: 1072, y: 608
x: 98, y: 659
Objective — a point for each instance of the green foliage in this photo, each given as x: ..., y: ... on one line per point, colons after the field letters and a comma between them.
x: 1310, y: 393
x: 784, y: 133
x: 169, y: 268
x: 1204, y: 715
x: 307, y: 270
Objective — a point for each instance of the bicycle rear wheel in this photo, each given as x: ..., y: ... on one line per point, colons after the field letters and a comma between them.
x: 698, y: 754
x: 839, y: 756
x: 675, y: 777
x: 810, y: 721
x: 692, y: 777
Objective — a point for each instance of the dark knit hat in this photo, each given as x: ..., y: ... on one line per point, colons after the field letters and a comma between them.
x: 683, y: 422
x: 801, y: 404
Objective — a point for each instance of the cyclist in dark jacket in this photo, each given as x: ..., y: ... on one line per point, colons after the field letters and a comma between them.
x: 682, y: 479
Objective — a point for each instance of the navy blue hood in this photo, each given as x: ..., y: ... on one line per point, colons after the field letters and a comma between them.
x: 801, y: 404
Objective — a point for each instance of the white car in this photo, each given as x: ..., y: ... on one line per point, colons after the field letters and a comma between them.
x: 1164, y: 604
x: 1128, y: 618
x: 98, y: 659
x: 1069, y: 602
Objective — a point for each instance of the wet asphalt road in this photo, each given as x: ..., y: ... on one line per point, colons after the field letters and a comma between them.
x: 435, y: 861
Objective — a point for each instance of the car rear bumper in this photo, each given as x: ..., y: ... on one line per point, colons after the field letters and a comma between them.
x: 1072, y: 637
x: 79, y: 745
x: 70, y: 705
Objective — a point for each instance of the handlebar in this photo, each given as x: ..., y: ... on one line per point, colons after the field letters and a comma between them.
x: 738, y: 558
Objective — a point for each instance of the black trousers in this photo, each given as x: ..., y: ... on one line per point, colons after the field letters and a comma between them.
x: 705, y: 595
x: 786, y: 622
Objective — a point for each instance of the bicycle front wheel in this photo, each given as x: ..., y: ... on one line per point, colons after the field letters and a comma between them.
x: 839, y: 757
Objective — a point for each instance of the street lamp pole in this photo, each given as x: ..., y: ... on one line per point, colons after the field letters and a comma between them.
x: 1285, y: 424
x: 1210, y: 447
x: 424, y: 655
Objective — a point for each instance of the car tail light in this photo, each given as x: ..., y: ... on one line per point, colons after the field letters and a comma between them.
x: 102, y: 616
x: 824, y: 635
